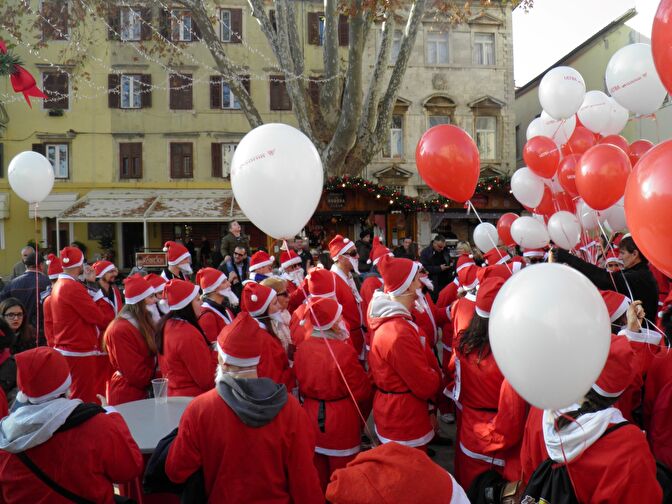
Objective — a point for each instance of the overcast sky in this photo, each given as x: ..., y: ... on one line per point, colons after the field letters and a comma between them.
x: 552, y: 28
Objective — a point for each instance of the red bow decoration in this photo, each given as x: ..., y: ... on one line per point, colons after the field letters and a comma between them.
x: 22, y: 81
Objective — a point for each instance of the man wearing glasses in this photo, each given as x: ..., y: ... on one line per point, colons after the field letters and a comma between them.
x: 238, y: 270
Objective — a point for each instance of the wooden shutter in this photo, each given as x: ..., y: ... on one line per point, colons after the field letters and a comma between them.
x: 187, y: 151
x: 164, y: 24
x: 113, y: 91
x: 181, y: 91
x: 279, y: 96
x: 216, y: 154
x: 236, y: 26
x: 56, y: 12
x: 215, y: 92
x: 125, y: 157
x: 343, y: 30
x: 146, y: 91
x: 136, y: 159
x: 175, y: 160
x: 245, y: 81
x: 313, y: 28
x: 146, y: 29
x: 271, y: 18
x: 56, y: 88
x: 114, y: 22
x: 40, y: 147
x: 195, y: 30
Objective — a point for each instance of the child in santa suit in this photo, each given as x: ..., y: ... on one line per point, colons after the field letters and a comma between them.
x: 328, y: 372
x: 214, y: 311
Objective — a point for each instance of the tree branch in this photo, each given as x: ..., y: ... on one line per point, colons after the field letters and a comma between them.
x: 330, y: 91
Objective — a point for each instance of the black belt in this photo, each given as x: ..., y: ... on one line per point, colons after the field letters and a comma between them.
x: 325, y: 400
x: 394, y: 392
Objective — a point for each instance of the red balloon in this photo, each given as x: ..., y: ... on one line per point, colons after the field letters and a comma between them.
x: 546, y: 207
x: 567, y: 174
x: 504, y: 228
x: 581, y: 140
x: 601, y: 175
x: 637, y: 149
x: 541, y: 155
x: 448, y: 161
x: 648, y: 206
x: 616, y: 140
x: 661, y: 43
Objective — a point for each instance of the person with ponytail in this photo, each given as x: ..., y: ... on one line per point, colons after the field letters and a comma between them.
x: 185, y: 357
x: 129, y: 343
x: 217, y: 298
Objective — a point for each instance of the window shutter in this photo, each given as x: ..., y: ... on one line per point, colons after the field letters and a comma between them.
x: 275, y: 97
x: 195, y: 30
x: 187, y: 151
x: 216, y: 150
x: 271, y: 18
x: 125, y: 156
x: 343, y: 30
x: 188, y: 92
x: 215, y: 92
x: 245, y: 81
x: 56, y: 85
x: 62, y: 87
x: 236, y: 26
x: 146, y: 94
x: 175, y: 160
x: 279, y: 96
x: 136, y: 159
x: 313, y: 28
x: 146, y: 28
x: 114, y: 22
x: 40, y: 147
x: 164, y: 24
x: 113, y: 95
x: 181, y: 91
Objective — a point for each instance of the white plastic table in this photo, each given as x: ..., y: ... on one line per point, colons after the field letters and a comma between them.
x: 150, y: 422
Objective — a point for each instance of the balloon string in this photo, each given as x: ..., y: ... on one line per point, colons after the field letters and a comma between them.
x: 562, y: 447
x: 610, y: 246
x: 501, y: 256
x: 37, y: 280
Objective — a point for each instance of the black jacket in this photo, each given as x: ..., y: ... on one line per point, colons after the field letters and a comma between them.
x: 364, y: 251
x: 23, y: 288
x: 639, y: 278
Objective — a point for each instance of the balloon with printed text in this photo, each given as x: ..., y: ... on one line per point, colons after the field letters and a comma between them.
x: 542, y: 156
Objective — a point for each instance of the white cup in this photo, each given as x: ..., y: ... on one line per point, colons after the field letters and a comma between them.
x: 160, y: 386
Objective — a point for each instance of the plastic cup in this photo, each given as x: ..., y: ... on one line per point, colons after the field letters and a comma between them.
x: 160, y: 386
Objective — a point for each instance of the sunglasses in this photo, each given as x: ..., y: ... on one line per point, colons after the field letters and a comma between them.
x: 284, y: 294
x: 352, y: 253
x: 237, y: 254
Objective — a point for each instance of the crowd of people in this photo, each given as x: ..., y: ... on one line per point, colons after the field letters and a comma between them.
x: 324, y: 381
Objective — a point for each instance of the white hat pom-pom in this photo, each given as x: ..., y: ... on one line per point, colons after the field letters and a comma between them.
x: 165, y: 249
x: 47, y: 262
x: 254, y: 298
x: 346, y: 240
x: 66, y: 260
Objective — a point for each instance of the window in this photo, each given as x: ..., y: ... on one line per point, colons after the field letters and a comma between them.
x: 181, y: 26
x: 484, y: 49
x: 54, y: 17
x: 396, y: 46
x: 129, y: 91
x: 181, y: 91
x: 57, y: 154
x: 316, y: 23
x: 56, y: 86
x: 131, y: 87
x: 131, y: 24
x: 181, y: 160
x: 222, y: 154
x: 486, y: 133
x: 435, y: 120
x: 436, y: 46
x: 221, y: 96
x: 279, y: 96
x: 225, y: 25
x: 320, y: 29
x: 394, y: 147
x: 130, y: 160
x: 230, y: 25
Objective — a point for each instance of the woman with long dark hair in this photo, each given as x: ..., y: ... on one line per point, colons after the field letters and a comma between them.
x: 14, y: 313
x: 129, y: 342
x: 185, y: 357
x: 215, y: 312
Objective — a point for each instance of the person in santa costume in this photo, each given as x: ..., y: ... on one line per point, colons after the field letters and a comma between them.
x: 589, y: 449
x: 261, y: 303
x: 217, y: 297
x: 158, y: 283
x: 328, y: 372
x: 425, y: 313
x: 281, y: 322
x: 290, y: 264
x: 261, y: 266
x: 80, y: 450
x: 185, y: 357
x: 129, y: 341
x: 77, y: 328
x: 250, y: 437
x: 54, y: 269
x: 534, y: 256
x: 612, y: 261
x: 179, y: 262
x: 394, y: 473
x: 373, y: 281
x: 110, y: 302
x: 320, y: 283
x: 346, y: 263
x: 403, y: 368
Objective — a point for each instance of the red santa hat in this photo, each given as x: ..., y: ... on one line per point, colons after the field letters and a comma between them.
x: 617, y: 303
x: 487, y: 292
x: 612, y: 257
x: 156, y: 281
x: 209, y: 279
x: 323, y: 312
x: 260, y: 259
x: 239, y: 343
x: 516, y: 264
x: 378, y: 250
x: 496, y: 256
x: 55, y: 267
x: 71, y: 257
x: 498, y: 270
x: 537, y: 253
x: 256, y: 298
x: 289, y: 258
x: 137, y: 288
x: 321, y: 283
x: 616, y: 240
x: 391, y: 473
x: 339, y: 246
x: 619, y: 370
x: 179, y: 293
x: 41, y: 374
x: 176, y: 252
x: 467, y: 272
x: 398, y: 274
x: 102, y: 267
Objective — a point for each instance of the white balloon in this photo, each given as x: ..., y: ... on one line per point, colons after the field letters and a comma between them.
x: 561, y: 92
x: 588, y: 217
x: 31, y: 176
x: 558, y: 130
x: 555, y: 185
x: 595, y: 111
x: 618, y: 118
x: 535, y: 128
x: 485, y: 237
x: 615, y: 216
x: 527, y: 187
x: 277, y: 163
x: 550, y: 351
x: 632, y: 79
x: 564, y: 229
x: 528, y: 232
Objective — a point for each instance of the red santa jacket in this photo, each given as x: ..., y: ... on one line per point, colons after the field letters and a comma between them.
x: 77, y: 320
x: 461, y: 313
x: 133, y: 364
x: 212, y: 320
x: 4, y: 408
x: 271, y: 464
x: 274, y: 363
x: 48, y: 320
x: 405, y: 374
x: 663, y: 286
x: 448, y: 294
x: 429, y: 319
x: 352, y: 309
x: 187, y: 360
x: 338, y: 431
x: 85, y: 459
x: 659, y: 433
x: 297, y: 297
x: 369, y: 286
x: 617, y: 468
x: 300, y: 328
x: 658, y: 376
